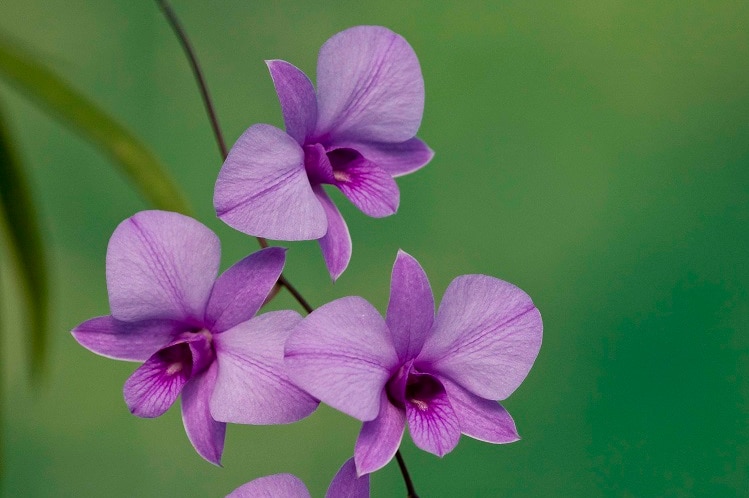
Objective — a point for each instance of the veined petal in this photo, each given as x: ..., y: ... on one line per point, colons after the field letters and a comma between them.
x: 155, y: 385
x: 205, y: 434
x: 297, y: 97
x: 347, y: 484
x: 161, y: 265
x: 432, y: 422
x: 380, y: 438
x: 368, y: 186
x: 263, y: 190
x: 336, y: 244
x: 411, y: 308
x: 397, y: 159
x: 481, y: 418
x: 369, y: 87
x: 130, y: 341
x: 241, y: 290
x: 341, y: 354
x: 486, y: 336
x: 252, y: 385
x: 275, y: 486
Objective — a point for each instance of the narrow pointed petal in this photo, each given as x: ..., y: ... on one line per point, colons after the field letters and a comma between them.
x: 397, y: 159
x: 411, y: 308
x: 380, y: 438
x: 368, y: 186
x: 241, y: 290
x: 486, y: 336
x: 161, y: 265
x: 341, y: 354
x: 433, y: 424
x: 275, y: 486
x: 155, y: 385
x: 347, y: 484
x: 481, y: 418
x: 263, y: 190
x: 297, y: 97
x: 130, y: 341
x: 369, y: 86
x: 336, y: 244
x: 205, y: 434
x: 252, y: 385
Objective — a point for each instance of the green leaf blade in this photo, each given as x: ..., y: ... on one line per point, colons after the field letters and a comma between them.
x: 19, y: 216
x: 58, y: 97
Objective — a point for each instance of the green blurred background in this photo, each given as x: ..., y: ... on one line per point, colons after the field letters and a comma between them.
x: 595, y: 153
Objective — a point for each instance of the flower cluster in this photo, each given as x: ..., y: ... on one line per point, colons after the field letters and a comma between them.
x: 198, y: 333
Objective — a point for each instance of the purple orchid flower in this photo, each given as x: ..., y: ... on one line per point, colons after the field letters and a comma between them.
x: 345, y: 484
x: 197, y: 335
x: 441, y: 374
x: 357, y: 133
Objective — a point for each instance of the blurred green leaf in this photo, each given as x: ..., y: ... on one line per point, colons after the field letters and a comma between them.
x: 58, y: 97
x: 18, y: 215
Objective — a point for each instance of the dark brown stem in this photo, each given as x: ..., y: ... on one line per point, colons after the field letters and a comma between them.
x: 282, y: 280
x: 171, y: 17
x: 406, y: 476
x: 196, y: 71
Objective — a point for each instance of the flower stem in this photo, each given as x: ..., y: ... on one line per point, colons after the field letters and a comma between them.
x: 406, y: 476
x: 196, y: 71
x: 171, y: 17
x: 181, y: 34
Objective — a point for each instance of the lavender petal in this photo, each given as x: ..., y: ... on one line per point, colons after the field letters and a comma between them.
x: 347, y: 484
x: 297, y: 97
x: 380, y: 438
x: 263, y: 190
x: 275, y: 486
x: 206, y: 434
x: 336, y: 244
x: 130, y: 341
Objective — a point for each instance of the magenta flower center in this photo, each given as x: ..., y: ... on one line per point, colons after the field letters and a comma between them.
x: 329, y: 167
x: 411, y: 387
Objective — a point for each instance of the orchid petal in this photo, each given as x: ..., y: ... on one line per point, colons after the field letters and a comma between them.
x: 380, y: 438
x: 241, y: 290
x: 155, y: 385
x: 252, y: 386
x: 411, y: 308
x: 275, y: 486
x: 205, y: 434
x: 263, y: 190
x: 486, y: 336
x: 368, y: 186
x: 369, y: 87
x: 397, y: 159
x: 342, y: 354
x: 347, y: 484
x: 131, y: 341
x: 481, y: 418
x: 297, y: 97
x: 433, y: 423
x: 161, y: 265
x: 336, y: 244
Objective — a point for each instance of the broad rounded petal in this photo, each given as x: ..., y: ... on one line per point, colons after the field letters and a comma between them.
x: 380, y: 438
x: 297, y: 97
x: 411, y: 308
x: 368, y: 186
x: 369, y: 87
x: 341, y: 354
x: 252, y: 385
x: 205, y: 434
x: 347, y: 484
x: 275, y: 486
x: 397, y: 159
x: 130, y: 341
x: 486, y: 336
x: 241, y: 290
x: 481, y: 418
x: 263, y: 190
x: 336, y: 244
x: 433, y: 425
x: 155, y: 385
x: 161, y: 265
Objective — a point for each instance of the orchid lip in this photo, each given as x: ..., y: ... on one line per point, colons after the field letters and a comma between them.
x: 409, y: 386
